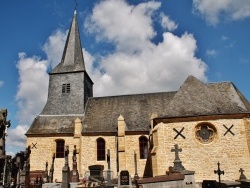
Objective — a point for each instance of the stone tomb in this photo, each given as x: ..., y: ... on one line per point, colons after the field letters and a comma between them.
x: 96, y: 173
x: 176, y: 177
x: 124, y: 179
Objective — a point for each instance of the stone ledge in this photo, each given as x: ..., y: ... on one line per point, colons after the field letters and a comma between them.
x: 163, y: 178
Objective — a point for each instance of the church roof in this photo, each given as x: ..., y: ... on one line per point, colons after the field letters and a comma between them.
x: 49, y: 124
x: 72, y: 58
x: 194, y: 98
x: 102, y: 113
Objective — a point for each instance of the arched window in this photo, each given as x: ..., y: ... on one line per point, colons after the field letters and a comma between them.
x: 143, y: 144
x: 60, y: 148
x: 100, y: 149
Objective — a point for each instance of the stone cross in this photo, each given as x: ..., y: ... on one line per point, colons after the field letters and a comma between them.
x: 176, y: 150
x: 66, y: 154
x: 45, y: 175
x: 242, y: 176
x: 136, y: 177
x: 51, y: 171
x: 177, y: 162
x: 75, y: 174
x: 109, y: 171
x: 66, y: 170
x: 219, y: 172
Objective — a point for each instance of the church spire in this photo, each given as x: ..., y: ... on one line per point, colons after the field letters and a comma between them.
x: 72, y: 58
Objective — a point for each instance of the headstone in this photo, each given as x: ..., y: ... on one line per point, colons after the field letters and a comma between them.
x: 136, y: 177
x: 177, y: 162
x: 219, y: 172
x: 124, y: 179
x: 25, y: 167
x: 45, y: 175
x: 96, y: 172
x: 51, y: 171
x: 66, y: 170
x: 75, y: 174
x: 109, y: 169
x: 242, y: 176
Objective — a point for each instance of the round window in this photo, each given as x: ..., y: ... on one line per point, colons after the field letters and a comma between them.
x: 205, y: 132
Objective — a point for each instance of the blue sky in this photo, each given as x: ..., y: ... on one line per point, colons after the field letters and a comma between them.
x: 129, y: 47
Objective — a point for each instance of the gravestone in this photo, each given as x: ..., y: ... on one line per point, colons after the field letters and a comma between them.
x: 75, y: 174
x: 51, y: 171
x: 109, y: 170
x: 96, y: 173
x: 177, y: 162
x: 124, y: 179
x: 242, y: 176
x: 65, y: 169
x: 136, y: 177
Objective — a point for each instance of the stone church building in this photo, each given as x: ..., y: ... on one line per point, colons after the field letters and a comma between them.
x: 209, y: 121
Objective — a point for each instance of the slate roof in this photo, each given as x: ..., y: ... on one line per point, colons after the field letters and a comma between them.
x: 102, y: 113
x: 194, y: 98
x: 72, y: 51
x: 52, y: 125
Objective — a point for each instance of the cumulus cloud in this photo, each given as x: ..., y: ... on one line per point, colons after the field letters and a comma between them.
x: 214, y: 10
x: 167, y: 23
x: 1, y: 83
x: 32, y: 87
x: 138, y: 65
x: 16, y: 138
x: 54, y: 46
x: 131, y: 27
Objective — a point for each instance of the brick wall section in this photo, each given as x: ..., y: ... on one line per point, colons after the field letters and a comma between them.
x: 231, y: 151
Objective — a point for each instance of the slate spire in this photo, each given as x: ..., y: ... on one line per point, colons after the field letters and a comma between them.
x: 72, y: 57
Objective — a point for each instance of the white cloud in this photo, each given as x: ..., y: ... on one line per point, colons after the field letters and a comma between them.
x: 131, y: 27
x: 167, y: 23
x: 32, y: 88
x: 211, y: 52
x: 162, y: 68
x: 1, y: 83
x: 214, y: 10
x: 16, y: 138
x: 54, y: 46
x: 138, y: 65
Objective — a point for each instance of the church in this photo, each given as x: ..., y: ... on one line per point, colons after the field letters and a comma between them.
x: 209, y: 121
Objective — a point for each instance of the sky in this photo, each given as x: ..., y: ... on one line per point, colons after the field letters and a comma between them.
x: 129, y: 47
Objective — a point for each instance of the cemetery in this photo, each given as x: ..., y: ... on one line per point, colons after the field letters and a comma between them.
x: 195, y: 137
x: 15, y: 172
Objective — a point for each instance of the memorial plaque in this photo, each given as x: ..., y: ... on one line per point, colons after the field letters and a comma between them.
x: 124, y: 177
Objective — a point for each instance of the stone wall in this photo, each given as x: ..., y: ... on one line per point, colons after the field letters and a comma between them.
x: 232, y: 151
x: 89, y: 154
x: 45, y: 148
x: 86, y: 147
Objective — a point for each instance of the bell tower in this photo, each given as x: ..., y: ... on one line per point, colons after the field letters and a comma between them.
x: 69, y: 83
